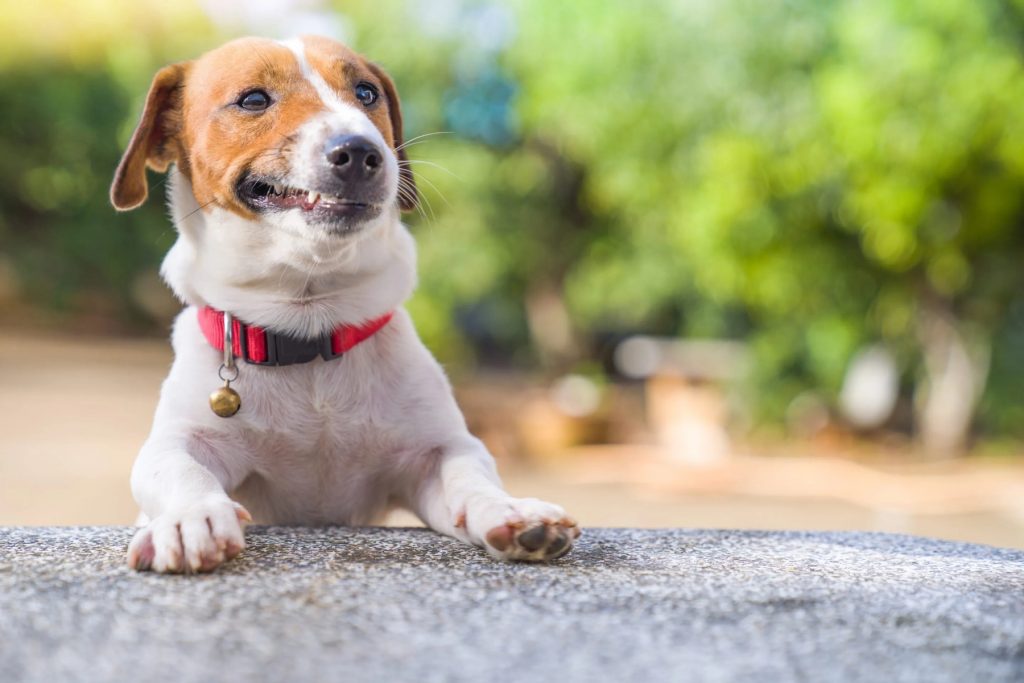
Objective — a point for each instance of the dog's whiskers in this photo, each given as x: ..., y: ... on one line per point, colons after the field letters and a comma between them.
x: 197, y: 210
x: 420, y: 138
x: 410, y: 162
x: 407, y: 193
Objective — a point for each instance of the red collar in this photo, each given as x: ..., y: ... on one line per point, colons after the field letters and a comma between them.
x: 262, y: 347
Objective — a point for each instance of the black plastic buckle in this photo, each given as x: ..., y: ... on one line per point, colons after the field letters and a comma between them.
x: 283, y: 349
x: 327, y: 348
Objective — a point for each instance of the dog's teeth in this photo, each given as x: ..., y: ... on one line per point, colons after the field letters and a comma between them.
x: 312, y: 197
x: 277, y: 189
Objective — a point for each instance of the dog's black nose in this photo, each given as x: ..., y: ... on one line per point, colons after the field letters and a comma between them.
x: 354, y: 158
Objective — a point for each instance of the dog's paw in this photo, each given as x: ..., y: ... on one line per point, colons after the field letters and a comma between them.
x: 527, y: 529
x: 198, y: 538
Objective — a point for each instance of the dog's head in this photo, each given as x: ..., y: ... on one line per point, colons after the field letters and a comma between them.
x: 303, y: 135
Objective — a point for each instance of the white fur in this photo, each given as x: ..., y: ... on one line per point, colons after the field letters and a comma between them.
x: 325, y: 442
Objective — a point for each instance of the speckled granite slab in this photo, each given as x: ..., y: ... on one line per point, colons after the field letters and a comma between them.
x: 408, y: 605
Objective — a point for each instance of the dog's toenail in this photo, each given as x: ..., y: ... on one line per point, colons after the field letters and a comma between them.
x: 561, y: 540
x: 561, y: 552
x: 533, y: 539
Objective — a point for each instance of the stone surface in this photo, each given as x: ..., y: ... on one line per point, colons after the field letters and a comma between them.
x: 409, y: 605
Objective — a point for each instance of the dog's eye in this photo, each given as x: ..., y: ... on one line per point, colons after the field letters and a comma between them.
x: 367, y: 94
x: 254, y: 100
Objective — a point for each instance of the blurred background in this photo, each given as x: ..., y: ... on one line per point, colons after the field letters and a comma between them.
x: 727, y: 263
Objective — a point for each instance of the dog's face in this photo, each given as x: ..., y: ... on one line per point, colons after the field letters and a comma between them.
x: 303, y: 136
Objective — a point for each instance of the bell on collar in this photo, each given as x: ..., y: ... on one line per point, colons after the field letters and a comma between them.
x: 225, y: 402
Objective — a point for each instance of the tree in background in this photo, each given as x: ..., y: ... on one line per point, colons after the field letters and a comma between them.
x: 816, y: 176
x: 76, y: 77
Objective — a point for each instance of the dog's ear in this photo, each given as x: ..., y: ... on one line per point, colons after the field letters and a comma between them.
x: 152, y: 141
x: 408, y: 197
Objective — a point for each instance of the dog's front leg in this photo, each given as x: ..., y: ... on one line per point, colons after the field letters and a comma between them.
x: 192, y: 525
x: 464, y: 498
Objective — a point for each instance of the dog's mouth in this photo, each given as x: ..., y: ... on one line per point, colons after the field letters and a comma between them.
x: 267, y: 194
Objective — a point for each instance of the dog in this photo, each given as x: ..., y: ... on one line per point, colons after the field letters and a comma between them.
x: 287, y: 178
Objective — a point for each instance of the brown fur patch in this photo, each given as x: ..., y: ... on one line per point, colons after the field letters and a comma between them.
x: 154, y: 142
x: 221, y: 139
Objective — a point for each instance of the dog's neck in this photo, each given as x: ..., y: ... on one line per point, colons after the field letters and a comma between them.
x: 277, y: 276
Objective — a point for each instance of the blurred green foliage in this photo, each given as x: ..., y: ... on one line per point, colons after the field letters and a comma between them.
x: 810, y: 175
x: 60, y: 230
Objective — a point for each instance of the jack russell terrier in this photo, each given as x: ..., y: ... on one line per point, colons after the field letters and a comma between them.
x: 287, y: 179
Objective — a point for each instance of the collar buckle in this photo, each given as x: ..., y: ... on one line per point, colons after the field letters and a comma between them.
x: 283, y: 349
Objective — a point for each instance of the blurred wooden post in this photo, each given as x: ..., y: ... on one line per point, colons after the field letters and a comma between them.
x: 685, y: 388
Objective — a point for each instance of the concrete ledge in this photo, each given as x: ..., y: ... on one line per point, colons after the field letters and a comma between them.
x: 408, y: 605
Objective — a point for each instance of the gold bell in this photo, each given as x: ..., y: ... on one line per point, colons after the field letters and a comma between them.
x: 225, y: 401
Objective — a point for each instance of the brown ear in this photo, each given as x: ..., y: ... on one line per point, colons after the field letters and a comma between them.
x: 408, y: 197
x: 150, y: 143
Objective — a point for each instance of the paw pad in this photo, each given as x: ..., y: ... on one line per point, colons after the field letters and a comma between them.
x: 536, y: 542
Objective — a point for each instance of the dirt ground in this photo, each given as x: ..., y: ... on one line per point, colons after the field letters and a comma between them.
x: 73, y: 413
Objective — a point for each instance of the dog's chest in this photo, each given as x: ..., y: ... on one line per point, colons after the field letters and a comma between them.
x: 323, y: 445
